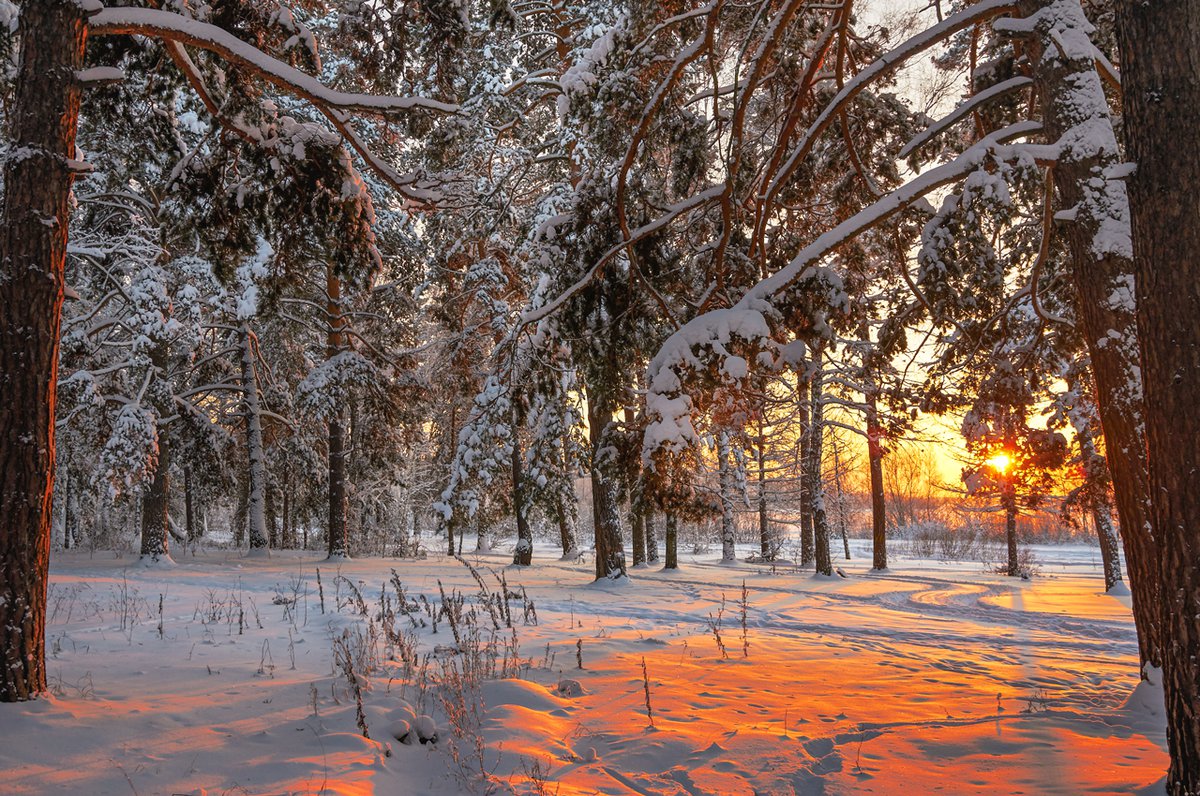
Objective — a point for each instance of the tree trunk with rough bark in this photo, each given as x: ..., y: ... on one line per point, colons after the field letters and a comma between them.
x: 610, y: 552
x: 636, y: 419
x: 1009, y: 501
x: 239, y: 513
x: 523, y: 553
x: 816, y: 485
x: 566, y: 533
x: 156, y: 501
x: 287, y: 534
x: 807, y: 546
x: 1096, y: 480
x: 256, y: 470
x: 765, y: 541
x: 1088, y: 180
x: 43, y: 114
x: 879, y: 556
x: 339, y: 543
x: 671, y: 541
x: 1160, y: 43
x: 725, y: 472
x: 651, y: 541
x: 189, y: 512
x: 272, y: 516
x: 637, y: 526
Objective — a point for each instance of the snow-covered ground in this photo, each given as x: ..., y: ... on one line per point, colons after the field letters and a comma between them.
x: 931, y: 678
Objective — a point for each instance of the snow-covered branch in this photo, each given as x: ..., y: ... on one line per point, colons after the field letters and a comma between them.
x: 749, y: 320
x: 174, y: 27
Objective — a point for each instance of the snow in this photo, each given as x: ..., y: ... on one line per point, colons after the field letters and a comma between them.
x: 580, y: 76
x: 175, y: 27
x: 929, y: 677
x: 100, y: 74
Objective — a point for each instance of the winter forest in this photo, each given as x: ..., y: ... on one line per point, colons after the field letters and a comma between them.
x: 598, y: 397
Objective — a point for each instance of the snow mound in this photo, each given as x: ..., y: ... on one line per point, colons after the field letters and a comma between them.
x: 1144, y: 709
x: 569, y: 689
x: 521, y: 693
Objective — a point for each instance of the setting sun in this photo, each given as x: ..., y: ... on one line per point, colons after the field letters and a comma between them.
x: 1000, y: 462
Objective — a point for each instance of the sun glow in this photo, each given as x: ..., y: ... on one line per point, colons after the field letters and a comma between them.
x: 1000, y: 462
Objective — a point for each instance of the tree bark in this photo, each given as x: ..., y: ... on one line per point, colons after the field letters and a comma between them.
x: 339, y: 546
x: 1009, y: 500
x: 765, y: 541
x: 637, y: 502
x: 879, y: 556
x: 272, y: 517
x: 637, y: 525
x: 287, y: 532
x: 156, y: 505
x: 566, y: 533
x: 523, y: 555
x: 256, y: 461
x: 725, y: 471
x: 807, y: 547
x: 651, y: 541
x: 671, y: 541
x: 189, y: 514
x: 1096, y: 480
x: 43, y: 115
x: 1072, y: 96
x: 816, y: 485
x: 337, y: 490
x: 610, y: 552
x: 239, y: 513
x: 1161, y: 97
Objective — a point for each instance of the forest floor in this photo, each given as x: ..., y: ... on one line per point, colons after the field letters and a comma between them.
x: 221, y: 675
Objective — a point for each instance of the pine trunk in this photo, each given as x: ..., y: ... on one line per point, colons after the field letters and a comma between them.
x: 637, y: 504
x: 816, y: 488
x: 878, y: 506
x: 1161, y: 97
x: 256, y: 471
x: 239, y: 513
x: 671, y: 541
x: 338, y: 547
x: 1106, y: 536
x: 1096, y: 480
x: 272, y: 519
x: 637, y: 524
x: 765, y: 543
x: 42, y: 114
x: 1009, y: 500
x: 189, y: 514
x: 287, y: 536
x: 610, y: 552
x: 651, y: 541
x: 156, y: 504
x: 725, y: 470
x: 806, y: 504
x: 339, y: 544
x: 523, y: 555
x: 1103, y: 276
x: 566, y: 533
